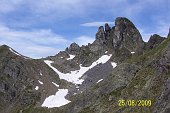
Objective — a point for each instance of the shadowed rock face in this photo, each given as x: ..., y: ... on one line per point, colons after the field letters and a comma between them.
x: 169, y: 33
x: 154, y: 41
x: 107, y: 27
x: 123, y: 35
x: 73, y: 49
x: 126, y: 35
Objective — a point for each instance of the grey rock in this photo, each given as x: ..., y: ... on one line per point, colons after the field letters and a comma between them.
x: 73, y: 49
x: 107, y: 28
x: 154, y: 41
x: 100, y: 35
x: 126, y: 35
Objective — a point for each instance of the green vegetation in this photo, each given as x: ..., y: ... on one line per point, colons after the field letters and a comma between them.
x: 151, y: 54
x: 87, y: 110
x: 32, y: 109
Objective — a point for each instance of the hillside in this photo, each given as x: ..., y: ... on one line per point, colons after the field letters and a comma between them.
x: 117, y: 73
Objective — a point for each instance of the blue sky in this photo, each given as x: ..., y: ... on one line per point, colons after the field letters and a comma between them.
x: 39, y: 28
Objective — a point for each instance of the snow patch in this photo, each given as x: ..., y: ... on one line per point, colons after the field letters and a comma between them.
x: 55, y: 84
x: 40, y: 73
x: 36, y: 88
x: 14, y: 52
x: 132, y: 52
x: 40, y: 82
x: 75, y: 76
x: 71, y: 57
x: 18, y: 53
x: 99, y: 80
x: 74, y: 93
x: 61, y: 57
x: 106, y: 52
x: 56, y: 100
x: 113, y: 64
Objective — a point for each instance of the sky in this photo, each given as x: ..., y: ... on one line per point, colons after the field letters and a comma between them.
x: 41, y: 28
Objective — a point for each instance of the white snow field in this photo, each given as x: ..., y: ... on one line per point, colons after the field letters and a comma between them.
x: 56, y: 100
x: 74, y: 76
x: 71, y: 57
x: 99, y: 80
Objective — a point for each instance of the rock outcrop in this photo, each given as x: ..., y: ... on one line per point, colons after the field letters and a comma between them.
x: 73, y: 49
x: 154, y: 41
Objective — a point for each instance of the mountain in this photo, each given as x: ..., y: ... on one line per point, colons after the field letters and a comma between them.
x: 97, y: 78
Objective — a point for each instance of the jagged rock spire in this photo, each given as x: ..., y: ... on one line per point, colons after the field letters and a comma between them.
x: 126, y: 35
x: 73, y: 49
x: 107, y: 27
x: 100, y: 35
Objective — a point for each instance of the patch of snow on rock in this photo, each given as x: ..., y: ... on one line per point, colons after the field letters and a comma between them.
x: 18, y: 53
x: 71, y: 57
x: 74, y: 76
x: 99, y: 80
x: 113, y: 64
x: 40, y: 73
x: 36, y: 88
x: 132, y: 52
x: 14, y: 52
x: 56, y: 100
x: 55, y: 84
x: 74, y: 93
x: 40, y: 82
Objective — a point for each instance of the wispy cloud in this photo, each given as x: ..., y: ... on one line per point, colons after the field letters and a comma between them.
x: 96, y: 24
x: 84, y: 40
x: 36, y: 43
x: 161, y: 29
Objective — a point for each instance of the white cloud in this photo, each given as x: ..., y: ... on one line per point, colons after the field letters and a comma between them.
x: 161, y: 28
x: 84, y: 40
x: 96, y: 24
x: 36, y: 43
x: 9, y: 5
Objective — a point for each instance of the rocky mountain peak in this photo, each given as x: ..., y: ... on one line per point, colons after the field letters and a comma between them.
x: 154, y: 41
x: 107, y: 27
x: 122, y: 23
x: 4, y: 46
x: 73, y: 49
x: 100, y: 33
x: 126, y: 35
x: 4, y: 49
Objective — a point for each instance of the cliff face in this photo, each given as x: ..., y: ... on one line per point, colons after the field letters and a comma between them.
x: 117, y: 65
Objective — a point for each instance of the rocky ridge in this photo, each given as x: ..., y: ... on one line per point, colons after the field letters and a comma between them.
x: 134, y: 70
